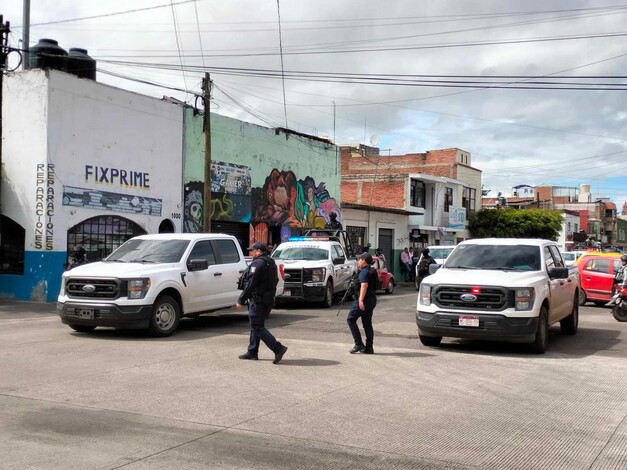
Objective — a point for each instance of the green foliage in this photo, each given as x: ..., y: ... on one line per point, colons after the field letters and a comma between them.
x: 513, y: 223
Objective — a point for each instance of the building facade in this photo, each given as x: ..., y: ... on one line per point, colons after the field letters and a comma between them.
x: 82, y: 163
x: 437, y: 190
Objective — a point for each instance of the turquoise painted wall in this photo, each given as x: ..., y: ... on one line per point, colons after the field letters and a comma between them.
x: 291, y: 180
x: 41, y: 281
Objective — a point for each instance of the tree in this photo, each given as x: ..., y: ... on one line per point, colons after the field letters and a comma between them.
x: 514, y: 223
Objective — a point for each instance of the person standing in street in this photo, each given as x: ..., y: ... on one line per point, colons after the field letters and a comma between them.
x: 363, y: 305
x: 407, y: 265
x: 260, y: 296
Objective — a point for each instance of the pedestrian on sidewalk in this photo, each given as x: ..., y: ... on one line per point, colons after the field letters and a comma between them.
x: 363, y: 305
x: 260, y: 297
x: 407, y: 265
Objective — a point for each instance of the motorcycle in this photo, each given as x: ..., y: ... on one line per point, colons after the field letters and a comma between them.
x: 619, y: 303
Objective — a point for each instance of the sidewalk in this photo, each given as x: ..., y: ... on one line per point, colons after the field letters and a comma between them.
x: 11, y: 308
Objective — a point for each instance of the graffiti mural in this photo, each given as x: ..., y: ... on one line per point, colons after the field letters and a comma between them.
x: 285, y: 200
x: 192, y: 213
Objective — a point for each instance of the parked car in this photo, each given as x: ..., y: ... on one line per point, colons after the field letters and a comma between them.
x: 385, y: 277
x: 596, y: 271
x: 570, y: 257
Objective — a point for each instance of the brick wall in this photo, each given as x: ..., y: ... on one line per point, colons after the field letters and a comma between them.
x: 390, y: 173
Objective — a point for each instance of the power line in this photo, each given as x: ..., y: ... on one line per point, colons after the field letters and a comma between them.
x: 176, y: 35
x: 105, y: 15
x: 278, y: 8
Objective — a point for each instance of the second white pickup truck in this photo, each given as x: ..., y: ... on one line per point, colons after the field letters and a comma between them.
x: 499, y: 289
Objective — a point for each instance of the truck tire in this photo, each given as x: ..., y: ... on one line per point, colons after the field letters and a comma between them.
x: 570, y: 324
x: 165, y: 317
x: 327, y: 302
x: 82, y: 328
x: 542, y: 333
x: 583, y: 298
x: 430, y: 340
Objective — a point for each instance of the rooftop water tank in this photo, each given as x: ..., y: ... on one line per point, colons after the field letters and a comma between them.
x: 47, y: 54
x: 79, y: 63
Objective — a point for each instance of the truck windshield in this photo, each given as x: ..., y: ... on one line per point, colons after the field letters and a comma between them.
x: 150, y: 251
x: 502, y: 257
x: 302, y: 253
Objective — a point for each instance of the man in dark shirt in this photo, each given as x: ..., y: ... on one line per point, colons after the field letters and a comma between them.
x: 260, y: 298
x: 363, y: 306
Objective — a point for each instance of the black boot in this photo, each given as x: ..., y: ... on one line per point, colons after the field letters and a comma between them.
x: 251, y: 357
x: 357, y: 348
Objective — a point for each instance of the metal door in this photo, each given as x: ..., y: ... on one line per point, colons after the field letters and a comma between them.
x: 386, y: 243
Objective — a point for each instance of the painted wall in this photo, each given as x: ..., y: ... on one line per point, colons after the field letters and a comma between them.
x: 75, y: 149
x: 261, y: 176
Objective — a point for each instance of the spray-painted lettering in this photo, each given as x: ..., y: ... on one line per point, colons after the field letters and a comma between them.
x: 116, y: 176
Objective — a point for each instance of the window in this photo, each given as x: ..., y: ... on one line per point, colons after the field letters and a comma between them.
x: 598, y: 265
x: 548, y: 258
x: 11, y: 247
x: 203, y: 250
x: 559, y: 262
x: 339, y: 252
x: 469, y: 199
x: 448, y: 198
x: 417, y: 194
x: 101, y: 235
x: 228, y: 251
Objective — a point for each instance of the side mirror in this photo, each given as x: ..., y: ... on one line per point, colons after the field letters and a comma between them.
x: 558, y: 273
x: 197, y: 265
x: 433, y: 268
x: 339, y: 260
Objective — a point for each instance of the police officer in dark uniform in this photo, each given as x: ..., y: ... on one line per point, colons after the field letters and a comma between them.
x: 363, y: 306
x: 260, y: 299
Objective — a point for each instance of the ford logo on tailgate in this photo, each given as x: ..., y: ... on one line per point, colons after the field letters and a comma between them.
x: 464, y: 297
x: 89, y: 288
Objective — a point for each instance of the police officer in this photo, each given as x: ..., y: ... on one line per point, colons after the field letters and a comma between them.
x: 260, y: 298
x: 363, y: 306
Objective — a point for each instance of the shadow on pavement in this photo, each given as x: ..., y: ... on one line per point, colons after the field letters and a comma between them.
x: 308, y: 362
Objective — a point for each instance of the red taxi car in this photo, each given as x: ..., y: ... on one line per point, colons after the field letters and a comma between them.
x: 596, y: 273
x: 387, y: 278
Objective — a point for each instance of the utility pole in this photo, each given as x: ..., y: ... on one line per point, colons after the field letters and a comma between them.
x: 206, y: 208
x: 4, y: 52
x: 26, y: 35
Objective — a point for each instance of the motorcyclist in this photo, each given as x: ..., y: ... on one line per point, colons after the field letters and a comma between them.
x: 621, y: 274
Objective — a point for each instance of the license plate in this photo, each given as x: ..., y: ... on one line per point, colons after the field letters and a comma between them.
x: 469, y: 321
x: 86, y: 313
x: 287, y: 293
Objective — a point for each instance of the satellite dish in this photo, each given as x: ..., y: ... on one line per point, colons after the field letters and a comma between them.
x: 374, y: 140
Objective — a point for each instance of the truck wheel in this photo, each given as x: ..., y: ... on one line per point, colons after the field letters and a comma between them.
x: 430, y: 340
x: 390, y: 289
x: 327, y: 302
x: 583, y: 298
x: 570, y: 324
x: 82, y: 328
x: 166, y: 314
x: 542, y: 333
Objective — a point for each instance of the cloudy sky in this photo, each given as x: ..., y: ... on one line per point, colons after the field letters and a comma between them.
x: 533, y: 90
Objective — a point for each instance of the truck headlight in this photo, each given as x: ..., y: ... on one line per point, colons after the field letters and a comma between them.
x: 524, y: 298
x: 318, y: 274
x: 62, y: 286
x: 137, y: 288
x: 424, y: 296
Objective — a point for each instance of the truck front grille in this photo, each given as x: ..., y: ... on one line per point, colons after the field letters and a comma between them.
x: 293, y: 276
x: 81, y: 288
x: 489, y: 298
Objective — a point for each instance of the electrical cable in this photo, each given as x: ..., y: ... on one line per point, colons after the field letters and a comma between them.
x: 278, y: 8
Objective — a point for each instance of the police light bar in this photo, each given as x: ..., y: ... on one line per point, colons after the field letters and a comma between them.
x: 302, y: 239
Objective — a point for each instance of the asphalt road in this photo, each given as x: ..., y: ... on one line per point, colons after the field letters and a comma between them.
x: 121, y: 399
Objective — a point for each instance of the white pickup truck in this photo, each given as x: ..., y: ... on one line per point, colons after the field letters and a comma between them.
x: 499, y: 289
x: 316, y: 266
x: 151, y: 281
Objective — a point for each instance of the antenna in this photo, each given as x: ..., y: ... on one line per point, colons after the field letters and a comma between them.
x: 374, y: 140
